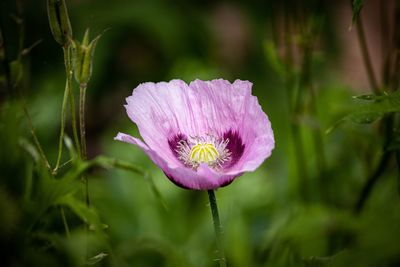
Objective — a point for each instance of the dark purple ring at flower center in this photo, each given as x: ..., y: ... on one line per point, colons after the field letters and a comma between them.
x: 218, y: 152
x: 174, y: 141
x: 235, y: 147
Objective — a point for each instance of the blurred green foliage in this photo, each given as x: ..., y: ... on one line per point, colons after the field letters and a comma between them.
x: 328, y: 196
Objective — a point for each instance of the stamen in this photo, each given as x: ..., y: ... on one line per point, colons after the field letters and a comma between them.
x: 204, y: 153
x: 208, y: 149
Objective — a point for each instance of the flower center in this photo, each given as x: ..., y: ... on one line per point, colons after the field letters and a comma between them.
x: 209, y: 150
x: 203, y: 153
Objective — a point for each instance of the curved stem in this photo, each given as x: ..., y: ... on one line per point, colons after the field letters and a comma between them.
x: 62, y: 129
x: 380, y: 168
x: 217, y: 228
x: 366, y: 190
x: 67, y: 94
x: 35, y: 139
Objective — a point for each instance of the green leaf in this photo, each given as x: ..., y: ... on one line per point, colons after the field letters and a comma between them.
x: 109, y: 163
x: 96, y: 259
x: 87, y: 214
x: 371, y: 111
x: 143, y: 245
x: 51, y: 189
x: 357, y: 6
x: 369, y: 97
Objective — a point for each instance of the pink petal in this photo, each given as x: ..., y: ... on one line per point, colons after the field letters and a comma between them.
x: 164, y: 111
x: 204, y: 179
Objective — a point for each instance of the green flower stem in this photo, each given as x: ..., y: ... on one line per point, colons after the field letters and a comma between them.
x: 35, y: 139
x: 69, y: 72
x: 306, y: 83
x: 382, y: 166
x: 73, y: 121
x: 82, y: 99
x: 65, y: 223
x: 67, y: 94
x: 398, y: 168
x: 293, y: 99
x: 82, y: 132
x: 217, y: 228
x: 61, y: 137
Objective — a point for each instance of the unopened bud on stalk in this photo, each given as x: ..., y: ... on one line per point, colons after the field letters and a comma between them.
x: 59, y: 21
x: 82, y: 55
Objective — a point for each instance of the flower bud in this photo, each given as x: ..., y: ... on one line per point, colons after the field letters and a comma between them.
x: 82, y: 55
x: 59, y: 21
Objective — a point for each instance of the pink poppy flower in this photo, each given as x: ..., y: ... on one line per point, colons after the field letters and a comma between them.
x: 202, y: 135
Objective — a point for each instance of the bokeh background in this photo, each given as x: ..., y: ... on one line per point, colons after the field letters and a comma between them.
x: 312, y: 203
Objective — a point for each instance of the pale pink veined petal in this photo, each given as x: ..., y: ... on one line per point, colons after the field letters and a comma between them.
x: 168, y: 114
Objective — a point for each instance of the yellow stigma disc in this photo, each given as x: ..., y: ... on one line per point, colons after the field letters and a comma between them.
x: 204, y: 153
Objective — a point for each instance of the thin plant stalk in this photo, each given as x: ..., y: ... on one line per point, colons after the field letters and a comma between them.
x: 306, y: 83
x: 65, y: 223
x: 35, y: 139
x: 366, y: 57
x: 398, y: 170
x: 62, y: 129
x: 294, y: 108
x: 387, y: 123
x: 385, y: 44
x: 69, y: 71
x: 82, y: 99
x: 82, y: 132
x: 73, y: 120
x: 217, y: 228
x: 67, y: 94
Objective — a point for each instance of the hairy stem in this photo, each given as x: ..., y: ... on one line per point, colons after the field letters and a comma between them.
x: 82, y: 99
x: 82, y: 132
x: 35, y: 139
x: 69, y: 72
x: 68, y: 94
x: 217, y: 228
